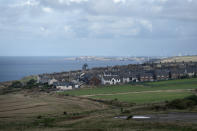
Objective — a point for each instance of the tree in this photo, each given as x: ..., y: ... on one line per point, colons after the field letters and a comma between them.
x: 31, y: 83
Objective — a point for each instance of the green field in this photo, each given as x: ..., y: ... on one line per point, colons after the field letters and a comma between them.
x: 148, y: 92
x: 149, y: 86
x: 141, y: 98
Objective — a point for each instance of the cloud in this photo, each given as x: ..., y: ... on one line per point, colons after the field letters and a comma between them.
x: 47, y: 9
x: 69, y: 2
x: 147, y: 24
x: 101, y: 18
x: 26, y: 3
x: 119, y: 1
x: 42, y: 29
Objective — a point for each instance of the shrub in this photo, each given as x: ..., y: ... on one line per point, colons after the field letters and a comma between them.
x: 158, y: 107
x: 66, y: 94
x: 193, y: 98
x: 31, y: 83
x: 46, y: 122
x: 126, y: 111
x: 16, y: 84
x: 39, y: 117
x: 181, y: 104
x: 65, y: 113
x: 121, y: 110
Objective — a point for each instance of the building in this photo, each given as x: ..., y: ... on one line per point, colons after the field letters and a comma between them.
x: 110, y: 80
x: 146, y: 77
x: 51, y: 81
x: 65, y: 85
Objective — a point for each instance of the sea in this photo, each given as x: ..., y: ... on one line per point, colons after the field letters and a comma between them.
x: 15, y: 68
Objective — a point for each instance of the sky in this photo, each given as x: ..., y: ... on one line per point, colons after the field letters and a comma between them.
x: 98, y: 27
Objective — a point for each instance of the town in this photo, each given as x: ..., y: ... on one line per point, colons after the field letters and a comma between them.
x: 133, y: 73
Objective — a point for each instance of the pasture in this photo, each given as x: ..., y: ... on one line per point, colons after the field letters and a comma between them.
x: 142, y: 92
x: 145, y: 97
x: 148, y: 86
x: 23, y: 106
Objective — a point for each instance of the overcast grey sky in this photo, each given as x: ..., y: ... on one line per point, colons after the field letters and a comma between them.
x: 98, y: 27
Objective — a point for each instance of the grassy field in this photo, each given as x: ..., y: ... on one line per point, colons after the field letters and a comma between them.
x: 149, y: 86
x: 23, y: 106
x: 148, y: 92
x: 141, y: 98
x: 33, y: 110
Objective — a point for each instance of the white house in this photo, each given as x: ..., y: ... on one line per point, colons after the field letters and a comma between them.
x: 63, y: 88
x: 111, y: 80
x: 125, y: 79
x: 50, y: 82
x: 63, y: 85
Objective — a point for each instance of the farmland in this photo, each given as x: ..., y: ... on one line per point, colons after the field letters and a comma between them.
x: 81, y: 109
x: 140, y: 98
x: 174, y: 85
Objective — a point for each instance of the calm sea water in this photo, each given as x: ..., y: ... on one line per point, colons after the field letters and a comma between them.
x: 15, y: 68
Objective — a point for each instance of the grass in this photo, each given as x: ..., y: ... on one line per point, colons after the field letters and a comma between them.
x: 149, y: 92
x: 148, y: 86
x: 28, y: 78
x: 141, y: 98
x: 22, y: 106
x: 40, y: 111
x: 180, y: 59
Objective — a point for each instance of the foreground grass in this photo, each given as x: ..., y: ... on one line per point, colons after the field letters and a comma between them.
x: 141, y: 98
x: 104, y: 123
x: 149, y: 86
x: 49, y: 112
x: 42, y: 112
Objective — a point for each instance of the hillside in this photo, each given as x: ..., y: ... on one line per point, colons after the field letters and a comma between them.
x: 109, y: 108
x: 179, y: 59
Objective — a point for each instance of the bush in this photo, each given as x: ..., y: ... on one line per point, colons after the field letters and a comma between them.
x: 193, y: 98
x: 65, y: 113
x: 31, y: 83
x: 16, y: 84
x: 181, y: 104
x: 39, y: 117
x: 126, y: 111
x: 158, y: 107
x: 46, y: 122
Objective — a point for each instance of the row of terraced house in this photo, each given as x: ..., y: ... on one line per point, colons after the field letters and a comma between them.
x: 120, y: 74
